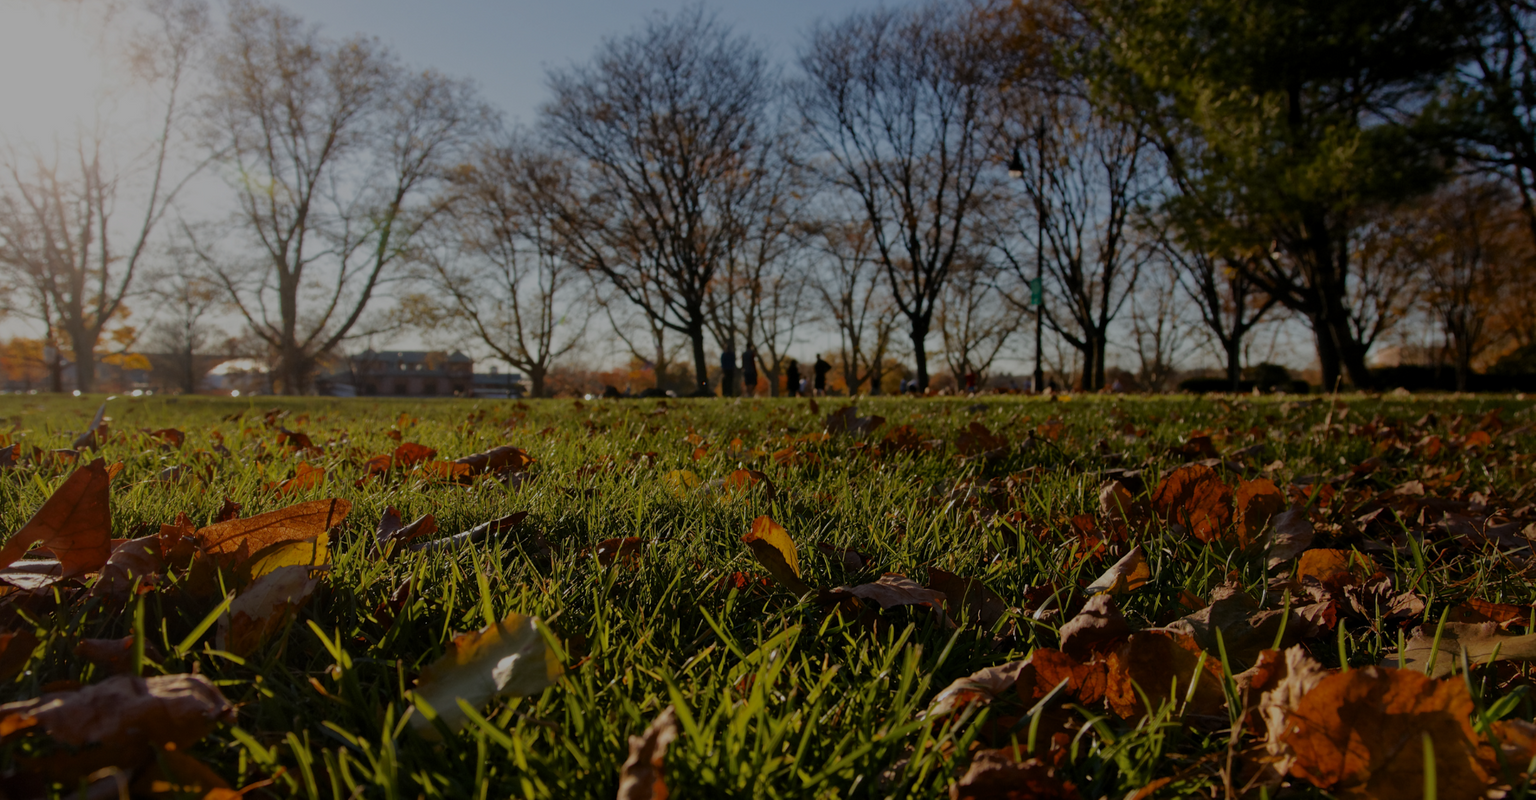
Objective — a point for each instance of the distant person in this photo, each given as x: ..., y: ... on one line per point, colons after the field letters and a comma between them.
x: 749, y: 372
x: 971, y: 378
x: 792, y: 378
x: 821, y: 368
x: 728, y: 373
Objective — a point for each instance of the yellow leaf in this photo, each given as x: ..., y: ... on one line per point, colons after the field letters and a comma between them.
x: 680, y: 481
x: 264, y: 608
x: 773, y: 548
x: 508, y: 658
x: 305, y: 552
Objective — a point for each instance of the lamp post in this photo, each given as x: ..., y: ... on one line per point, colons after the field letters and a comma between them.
x: 1037, y: 286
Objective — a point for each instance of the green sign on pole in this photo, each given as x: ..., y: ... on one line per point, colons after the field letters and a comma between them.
x: 1036, y: 293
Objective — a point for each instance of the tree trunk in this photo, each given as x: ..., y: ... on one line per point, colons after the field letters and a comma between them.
x: 1327, y: 352
x: 85, y: 361
x: 700, y: 366
x: 920, y: 352
x: 56, y: 370
x: 1234, y: 348
x: 189, y: 376
x: 536, y: 380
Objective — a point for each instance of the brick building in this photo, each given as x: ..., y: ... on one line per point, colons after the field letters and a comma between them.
x: 412, y: 373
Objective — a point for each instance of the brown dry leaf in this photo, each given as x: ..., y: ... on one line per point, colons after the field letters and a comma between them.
x: 1099, y: 627
x: 890, y: 591
x: 976, y: 440
x: 626, y: 548
x: 1153, y: 661
x: 846, y: 421
x: 113, y: 655
x: 982, y: 686
x: 411, y: 453
x: 444, y: 470
x: 1195, y: 497
x: 1292, y: 534
x: 134, y: 559
x: 1257, y: 502
x: 741, y: 481
x: 1281, y: 679
x: 1361, y: 732
x: 118, y: 722
x: 773, y: 548
x: 95, y: 433
x: 264, y: 608
x: 505, y: 457
x: 16, y: 648
x: 1120, y: 508
x: 1327, y: 565
x: 235, y: 542
x: 1246, y: 630
x: 508, y: 658
x: 1476, y: 610
x: 643, y: 776
x: 1086, y: 683
x: 304, y: 477
x: 170, y: 436
x: 967, y: 598
x: 1127, y: 575
x: 998, y: 775
x: 75, y: 523
x: 393, y: 533
x: 1516, y: 742
x: 1481, y: 641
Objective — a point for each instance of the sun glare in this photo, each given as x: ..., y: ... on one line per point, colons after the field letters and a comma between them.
x: 55, y: 76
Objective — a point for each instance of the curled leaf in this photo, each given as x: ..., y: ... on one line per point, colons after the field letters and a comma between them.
x: 264, y: 608
x: 643, y: 776
x: 508, y: 658
x: 1127, y: 575
x: 75, y: 523
x: 773, y: 548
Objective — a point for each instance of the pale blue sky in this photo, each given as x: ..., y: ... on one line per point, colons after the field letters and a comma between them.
x: 507, y: 45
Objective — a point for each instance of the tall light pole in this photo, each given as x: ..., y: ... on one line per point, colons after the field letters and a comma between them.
x: 1036, y: 286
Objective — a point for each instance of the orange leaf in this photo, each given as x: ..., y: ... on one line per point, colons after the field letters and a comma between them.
x: 412, y: 453
x: 1154, y: 661
x: 497, y: 458
x: 627, y: 548
x: 1257, y: 502
x: 1194, y: 496
x: 976, y: 440
x: 1333, y: 565
x: 75, y: 523
x: 237, y: 540
x: 643, y: 777
x: 1361, y: 733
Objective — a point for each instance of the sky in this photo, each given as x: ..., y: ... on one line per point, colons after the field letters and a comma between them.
x: 508, y: 45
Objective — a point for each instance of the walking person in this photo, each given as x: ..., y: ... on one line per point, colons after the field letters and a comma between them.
x: 728, y: 373
x: 821, y: 368
x: 749, y: 372
x: 792, y: 378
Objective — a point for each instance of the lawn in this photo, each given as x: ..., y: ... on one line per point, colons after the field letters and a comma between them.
x: 1080, y: 597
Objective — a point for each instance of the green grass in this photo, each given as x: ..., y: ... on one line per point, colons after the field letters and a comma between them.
x: 777, y: 698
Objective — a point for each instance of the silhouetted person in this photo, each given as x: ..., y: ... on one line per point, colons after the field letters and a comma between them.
x: 728, y: 373
x: 749, y: 372
x: 792, y: 378
x: 821, y: 368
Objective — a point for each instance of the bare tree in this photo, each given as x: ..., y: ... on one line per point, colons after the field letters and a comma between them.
x: 975, y: 320
x: 854, y: 295
x: 1158, y: 329
x: 668, y: 130
x: 1083, y: 190
x: 499, y: 264
x: 896, y: 101
x: 62, y: 228
x: 184, y: 293
x: 1230, y: 304
x: 332, y: 149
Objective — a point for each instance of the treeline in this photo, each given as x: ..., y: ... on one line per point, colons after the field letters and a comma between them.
x: 921, y: 185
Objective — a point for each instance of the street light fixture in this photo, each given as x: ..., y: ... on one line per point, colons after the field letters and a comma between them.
x: 1036, y: 286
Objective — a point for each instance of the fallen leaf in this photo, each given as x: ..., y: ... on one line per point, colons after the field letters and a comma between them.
x: 627, y: 548
x: 304, y: 477
x: 1127, y: 575
x: 176, y: 774
x: 1098, y: 628
x: 134, y: 559
x: 113, y: 655
x: 846, y: 421
x: 170, y: 436
x: 1481, y: 641
x: 982, y: 686
x: 997, y: 775
x: 1333, y: 566
x: 411, y: 453
x: 118, y: 722
x: 505, y: 457
x: 890, y: 591
x: 773, y: 548
x: 1256, y: 503
x: 95, y: 433
x: 16, y: 648
x: 976, y: 440
x: 264, y: 608
x: 1292, y: 534
x: 643, y: 776
x: 508, y: 658
x: 475, y: 534
x: 1361, y: 733
x: 74, y: 523
x: 1281, y: 679
x: 1120, y: 508
x: 1245, y: 629
x: 679, y: 482
x: 1154, y: 662
x: 1195, y: 497
x: 234, y: 542
x: 392, y: 533
x: 967, y: 598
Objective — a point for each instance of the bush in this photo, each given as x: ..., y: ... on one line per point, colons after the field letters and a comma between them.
x: 1422, y: 378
